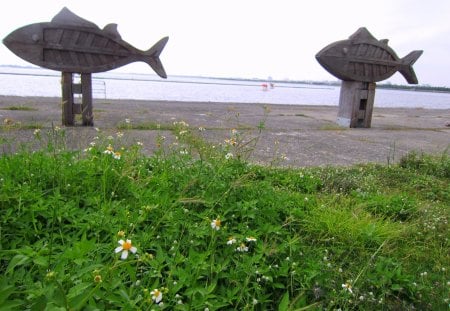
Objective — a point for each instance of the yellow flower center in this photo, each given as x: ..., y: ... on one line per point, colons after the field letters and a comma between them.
x: 126, y: 245
x: 217, y: 222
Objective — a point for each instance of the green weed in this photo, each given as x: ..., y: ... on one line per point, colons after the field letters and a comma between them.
x: 197, y: 227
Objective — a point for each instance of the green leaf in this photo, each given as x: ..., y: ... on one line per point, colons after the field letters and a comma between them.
x: 51, y: 306
x: 5, y: 291
x: 78, y: 289
x: 40, y: 261
x: 11, y: 305
x: 284, y: 303
x: 17, y: 260
x: 278, y: 285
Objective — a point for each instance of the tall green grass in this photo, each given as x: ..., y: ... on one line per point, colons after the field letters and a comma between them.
x: 214, y: 232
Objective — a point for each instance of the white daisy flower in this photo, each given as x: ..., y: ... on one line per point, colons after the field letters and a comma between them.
x: 124, y: 247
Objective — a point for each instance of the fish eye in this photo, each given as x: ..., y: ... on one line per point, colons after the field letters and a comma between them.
x: 35, y: 37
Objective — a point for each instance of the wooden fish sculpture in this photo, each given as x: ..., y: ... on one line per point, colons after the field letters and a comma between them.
x: 363, y: 58
x: 70, y: 43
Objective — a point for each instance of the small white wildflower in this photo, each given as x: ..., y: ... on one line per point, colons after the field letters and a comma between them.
x: 242, y: 248
x: 216, y: 223
x: 128, y: 121
x: 231, y: 142
x: 156, y: 295
x: 228, y: 156
x: 124, y: 247
x: 348, y: 287
x: 109, y: 150
x: 250, y: 239
x: 231, y: 240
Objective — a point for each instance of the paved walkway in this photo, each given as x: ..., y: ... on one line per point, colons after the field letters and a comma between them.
x: 302, y: 135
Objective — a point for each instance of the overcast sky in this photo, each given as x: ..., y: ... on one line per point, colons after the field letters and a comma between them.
x: 255, y: 38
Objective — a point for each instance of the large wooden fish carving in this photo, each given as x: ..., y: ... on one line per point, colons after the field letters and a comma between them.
x: 70, y: 43
x: 363, y: 58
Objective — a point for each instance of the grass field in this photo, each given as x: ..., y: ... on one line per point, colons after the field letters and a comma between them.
x: 197, y: 227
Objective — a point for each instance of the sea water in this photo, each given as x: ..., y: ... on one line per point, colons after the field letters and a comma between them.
x: 118, y: 85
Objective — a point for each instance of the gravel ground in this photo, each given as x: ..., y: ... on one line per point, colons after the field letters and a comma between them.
x: 293, y: 135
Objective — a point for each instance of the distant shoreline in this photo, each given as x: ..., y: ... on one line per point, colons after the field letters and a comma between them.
x: 335, y: 83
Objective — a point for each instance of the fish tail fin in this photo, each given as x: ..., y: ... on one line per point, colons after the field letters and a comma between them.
x: 406, y: 68
x: 152, y: 57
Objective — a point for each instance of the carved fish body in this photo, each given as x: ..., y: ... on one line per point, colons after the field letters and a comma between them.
x: 363, y: 58
x: 70, y: 43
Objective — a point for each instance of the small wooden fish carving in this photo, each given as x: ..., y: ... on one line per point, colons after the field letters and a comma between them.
x: 70, y: 43
x: 363, y: 58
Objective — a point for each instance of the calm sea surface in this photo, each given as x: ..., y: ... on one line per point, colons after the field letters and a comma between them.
x: 112, y: 85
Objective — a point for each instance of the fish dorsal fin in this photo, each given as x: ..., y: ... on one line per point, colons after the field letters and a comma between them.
x: 362, y: 35
x: 67, y: 17
x: 111, y: 29
x: 384, y: 41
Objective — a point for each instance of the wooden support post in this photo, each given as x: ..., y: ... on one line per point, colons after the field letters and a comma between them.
x: 69, y: 107
x: 67, y: 99
x: 86, y: 104
x: 356, y: 104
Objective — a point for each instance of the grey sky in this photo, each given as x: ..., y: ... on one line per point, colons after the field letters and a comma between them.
x: 255, y: 38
